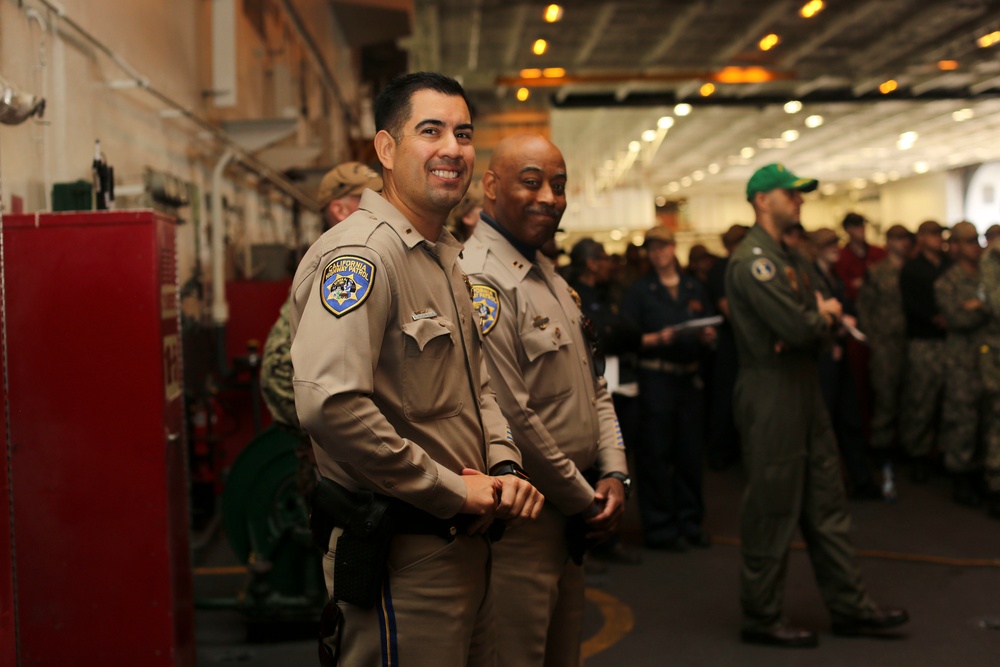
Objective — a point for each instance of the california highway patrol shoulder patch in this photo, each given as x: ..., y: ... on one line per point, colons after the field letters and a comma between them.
x: 486, y: 302
x: 347, y: 282
x: 762, y: 269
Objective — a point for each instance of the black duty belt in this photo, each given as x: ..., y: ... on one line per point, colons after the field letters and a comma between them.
x: 664, y: 366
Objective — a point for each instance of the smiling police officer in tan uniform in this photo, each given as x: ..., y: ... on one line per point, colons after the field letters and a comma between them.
x: 391, y: 386
x: 561, y: 415
x: 794, y: 480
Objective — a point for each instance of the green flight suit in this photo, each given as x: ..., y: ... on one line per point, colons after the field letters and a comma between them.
x: 793, y: 467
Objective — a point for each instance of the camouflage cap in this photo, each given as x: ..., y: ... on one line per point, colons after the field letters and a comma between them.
x: 964, y: 231
x: 821, y: 238
x: 659, y: 233
x: 930, y: 227
x: 898, y: 231
x: 349, y: 178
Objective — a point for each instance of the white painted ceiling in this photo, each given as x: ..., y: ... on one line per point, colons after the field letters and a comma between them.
x: 629, y: 62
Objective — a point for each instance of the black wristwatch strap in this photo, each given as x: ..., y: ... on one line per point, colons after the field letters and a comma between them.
x: 509, y: 468
x: 623, y: 478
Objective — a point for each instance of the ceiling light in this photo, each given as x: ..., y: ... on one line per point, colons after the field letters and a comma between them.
x: 539, y: 47
x: 531, y: 74
x: 638, y: 240
x: 649, y: 135
x: 713, y: 168
x: 947, y: 65
x: 698, y: 175
x: 921, y: 167
x: 686, y: 181
x: 707, y: 89
x: 827, y: 188
x: 682, y: 109
x: 765, y: 143
x: 523, y: 94
x: 747, y: 152
x: 906, y: 141
x: 665, y: 122
x: 790, y: 135
x: 634, y: 146
x: 888, y: 87
x: 732, y: 74
x: 616, y: 234
x: 879, y: 178
x: 673, y: 186
x: 661, y: 201
x: 553, y: 72
x: 553, y: 13
x: 814, y: 121
x: 962, y: 114
x: 769, y: 42
x: 793, y: 107
x: 859, y: 183
x: 811, y: 8
x: 989, y: 40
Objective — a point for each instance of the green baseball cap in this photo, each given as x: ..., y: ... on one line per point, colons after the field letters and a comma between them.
x: 774, y: 176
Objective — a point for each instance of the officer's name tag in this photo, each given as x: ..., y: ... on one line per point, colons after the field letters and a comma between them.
x: 424, y: 314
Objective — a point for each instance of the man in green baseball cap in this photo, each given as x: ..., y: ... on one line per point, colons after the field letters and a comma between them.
x: 780, y: 322
x: 775, y: 176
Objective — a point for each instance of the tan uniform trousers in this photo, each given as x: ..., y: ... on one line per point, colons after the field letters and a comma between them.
x: 435, y: 610
x: 538, y: 594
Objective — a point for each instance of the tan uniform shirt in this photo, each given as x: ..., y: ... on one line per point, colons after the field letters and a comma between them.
x: 390, y: 380
x: 558, y: 408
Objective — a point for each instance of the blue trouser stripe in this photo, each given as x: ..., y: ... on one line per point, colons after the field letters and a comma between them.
x: 387, y: 627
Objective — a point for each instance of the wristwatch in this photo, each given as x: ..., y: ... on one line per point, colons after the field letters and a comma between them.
x: 623, y: 478
x: 509, y: 468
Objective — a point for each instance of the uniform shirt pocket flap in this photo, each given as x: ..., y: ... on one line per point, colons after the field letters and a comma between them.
x: 424, y: 331
x: 539, y: 341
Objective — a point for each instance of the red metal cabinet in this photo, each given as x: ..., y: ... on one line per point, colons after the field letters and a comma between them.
x: 101, y: 557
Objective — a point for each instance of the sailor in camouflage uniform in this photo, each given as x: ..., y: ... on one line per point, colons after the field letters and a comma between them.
x: 880, y: 308
x: 339, y: 195
x: 959, y: 296
x: 989, y: 370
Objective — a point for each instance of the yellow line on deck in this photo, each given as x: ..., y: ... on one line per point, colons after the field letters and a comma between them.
x: 618, y: 622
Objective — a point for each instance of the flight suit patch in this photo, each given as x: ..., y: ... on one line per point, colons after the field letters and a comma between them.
x: 486, y: 302
x: 792, y: 279
x: 762, y: 269
x: 347, y: 283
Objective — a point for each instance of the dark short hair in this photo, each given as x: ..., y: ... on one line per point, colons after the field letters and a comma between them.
x: 394, y: 104
x: 853, y: 220
x: 585, y: 249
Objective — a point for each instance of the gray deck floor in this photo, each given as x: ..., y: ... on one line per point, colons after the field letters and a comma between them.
x: 939, y: 560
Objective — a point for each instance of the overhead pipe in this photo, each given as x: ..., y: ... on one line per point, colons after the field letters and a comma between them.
x: 247, y: 160
x: 220, y: 308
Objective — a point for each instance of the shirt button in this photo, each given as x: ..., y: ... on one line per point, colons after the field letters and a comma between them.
x: 584, y: 362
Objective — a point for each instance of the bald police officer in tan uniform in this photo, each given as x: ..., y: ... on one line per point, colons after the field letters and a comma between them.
x: 391, y: 386
x: 561, y: 415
